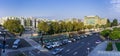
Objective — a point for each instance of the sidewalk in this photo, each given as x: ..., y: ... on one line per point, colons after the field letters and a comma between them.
x: 35, y: 44
x: 114, y: 46
x: 100, y: 51
x: 11, y: 50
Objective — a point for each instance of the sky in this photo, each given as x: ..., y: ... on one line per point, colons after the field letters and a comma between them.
x: 60, y: 8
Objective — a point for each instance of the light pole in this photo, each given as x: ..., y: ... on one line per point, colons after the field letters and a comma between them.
x: 4, y: 42
x: 88, y: 49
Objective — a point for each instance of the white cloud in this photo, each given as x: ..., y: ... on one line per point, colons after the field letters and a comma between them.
x: 115, y: 5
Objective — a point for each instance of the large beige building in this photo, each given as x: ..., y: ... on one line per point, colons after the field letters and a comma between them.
x: 94, y: 20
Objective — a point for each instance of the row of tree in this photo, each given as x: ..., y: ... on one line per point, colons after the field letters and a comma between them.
x: 14, y: 26
x: 58, y: 27
x: 113, y: 23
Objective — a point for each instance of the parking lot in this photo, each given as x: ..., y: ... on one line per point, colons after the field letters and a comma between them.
x: 61, y: 46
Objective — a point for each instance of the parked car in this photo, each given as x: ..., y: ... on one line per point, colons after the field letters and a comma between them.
x: 69, y: 41
x: 16, y: 43
x: 73, y: 40
x: 85, y: 35
x: 48, y: 46
x: 56, y: 51
x: 65, y: 41
x: 81, y: 36
x: 98, y: 41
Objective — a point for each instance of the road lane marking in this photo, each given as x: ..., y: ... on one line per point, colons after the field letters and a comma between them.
x: 75, y: 53
x: 68, y: 50
x: 74, y: 49
x: 58, y: 55
x: 31, y: 54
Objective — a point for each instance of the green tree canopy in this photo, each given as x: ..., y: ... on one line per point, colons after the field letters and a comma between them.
x: 43, y: 26
x: 105, y: 33
x: 80, y: 26
x: 63, y: 26
x: 116, y: 29
x: 75, y: 26
x: 115, y: 22
x: 108, y: 23
x: 115, y: 35
x: 13, y: 26
x: 89, y: 26
x: 55, y: 26
x: 69, y: 26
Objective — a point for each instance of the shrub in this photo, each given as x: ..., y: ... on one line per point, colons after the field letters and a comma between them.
x: 118, y: 46
x: 109, y: 47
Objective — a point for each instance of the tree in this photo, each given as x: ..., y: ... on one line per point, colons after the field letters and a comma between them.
x: 63, y: 26
x: 13, y: 26
x: 116, y: 29
x: 75, y: 26
x: 55, y: 27
x: 115, y: 22
x: 43, y: 26
x: 89, y: 26
x: 108, y: 24
x: 80, y: 26
x: 115, y: 35
x: 97, y: 26
x: 69, y: 26
x: 105, y: 33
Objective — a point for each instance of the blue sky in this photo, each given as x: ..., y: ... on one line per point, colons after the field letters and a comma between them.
x: 60, y: 8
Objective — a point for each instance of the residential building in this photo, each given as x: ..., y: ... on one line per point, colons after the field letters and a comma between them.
x: 72, y: 20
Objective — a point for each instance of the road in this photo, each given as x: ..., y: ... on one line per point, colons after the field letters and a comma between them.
x: 80, y: 48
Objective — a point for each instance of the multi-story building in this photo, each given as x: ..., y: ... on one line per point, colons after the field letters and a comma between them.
x: 72, y: 20
x: 27, y: 22
x: 94, y: 20
x: 3, y: 19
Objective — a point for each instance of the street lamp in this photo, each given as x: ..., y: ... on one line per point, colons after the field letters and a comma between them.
x: 3, y: 33
x: 88, y: 49
x: 41, y: 37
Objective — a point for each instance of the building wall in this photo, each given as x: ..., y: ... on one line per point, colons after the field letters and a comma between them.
x: 93, y: 20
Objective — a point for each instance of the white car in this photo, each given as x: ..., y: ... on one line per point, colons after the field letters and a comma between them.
x: 85, y: 35
x: 56, y: 51
x: 49, y: 46
x: 16, y: 43
x: 97, y: 42
x: 69, y: 41
x: 53, y: 45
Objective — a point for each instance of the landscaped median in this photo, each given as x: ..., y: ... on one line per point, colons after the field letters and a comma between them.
x: 109, y: 47
x: 118, y: 45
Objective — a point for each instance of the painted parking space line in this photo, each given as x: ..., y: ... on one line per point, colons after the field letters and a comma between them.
x: 75, y: 53
x: 67, y: 50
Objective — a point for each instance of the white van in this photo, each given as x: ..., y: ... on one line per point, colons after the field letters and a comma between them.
x: 16, y: 43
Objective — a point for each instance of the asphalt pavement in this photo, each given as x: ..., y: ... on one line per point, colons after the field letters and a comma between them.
x: 81, y: 47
